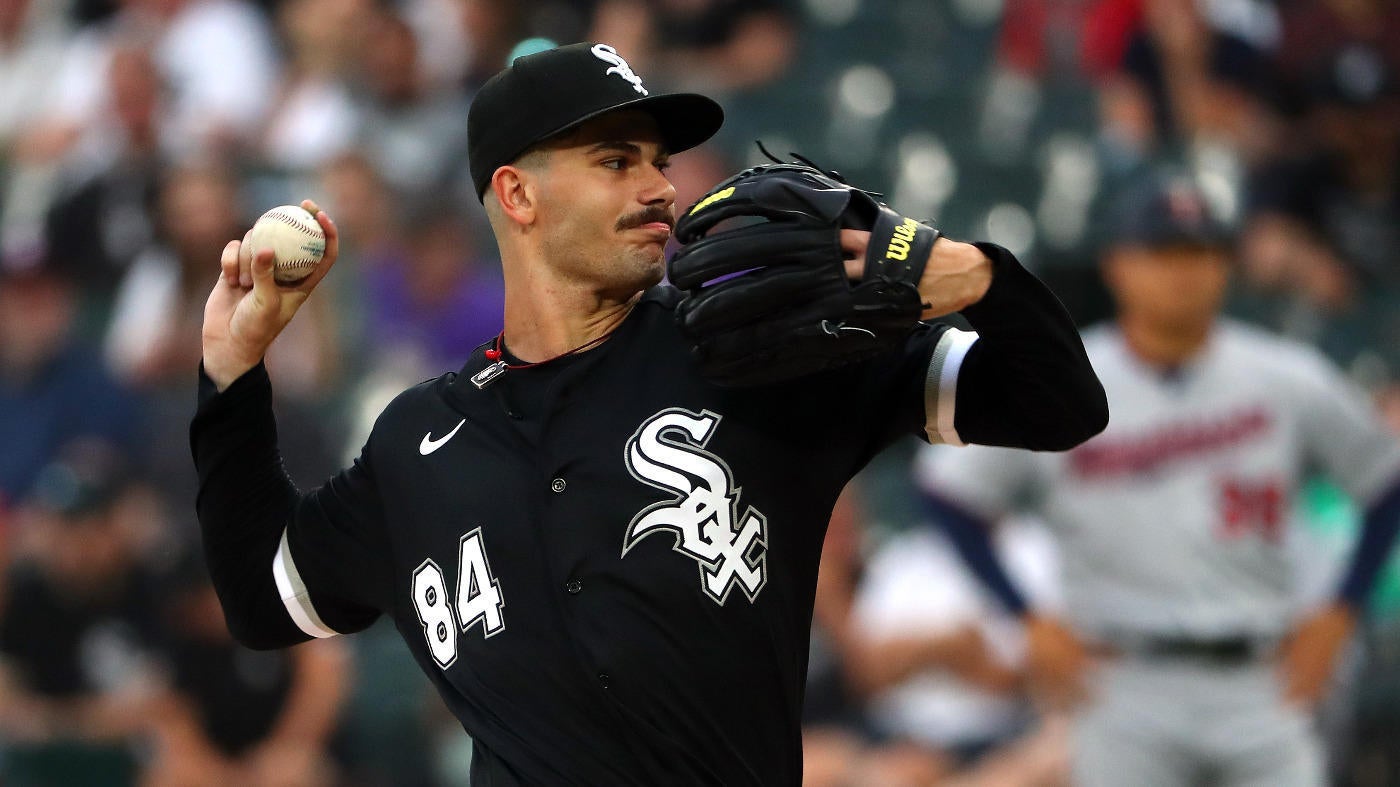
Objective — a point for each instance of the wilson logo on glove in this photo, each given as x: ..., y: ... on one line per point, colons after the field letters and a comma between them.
x: 903, y: 237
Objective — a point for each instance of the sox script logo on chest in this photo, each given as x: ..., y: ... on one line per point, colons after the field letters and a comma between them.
x: 668, y: 452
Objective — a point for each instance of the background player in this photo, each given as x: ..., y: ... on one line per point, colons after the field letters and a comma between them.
x: 505, y: 520
x: 1173, y: 524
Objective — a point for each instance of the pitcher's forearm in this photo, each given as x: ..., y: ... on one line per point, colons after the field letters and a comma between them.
x: 244, y: 504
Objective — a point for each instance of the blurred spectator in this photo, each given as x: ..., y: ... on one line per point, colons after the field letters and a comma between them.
x: 79, y: 629
x: 414, y: 132
x: 434, y: 304
x: 99, y: 224
x: 32, y: 39
x: 839, y: 746
x: 313, y: 117
x: 215, y: 56
x: 1170, y: 74
x: 357, y: 191
x: 563, y: 21
x: 831, y: 700
x: 364, y: 207
x: 712, y: 46
x: 493, y: 28
x: 1200, y: 65
x: 1050, y: 39
x: 914, y: 677
x: 237, y: 716
x: 1314, y: 30
x: 372, y: 239
x: 154, y: 338
x: 155, y: 325
x: 216, y: 69
x: 51, y: 154
x: 220, y: 63
x: 940, y: 659
x: 444, y: 45
x: 1325, y: 222
x: 1044, y: 42
x: 53, y: 387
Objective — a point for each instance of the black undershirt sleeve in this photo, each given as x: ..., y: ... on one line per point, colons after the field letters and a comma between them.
x: 247, y: 501
x: 1026, y: 382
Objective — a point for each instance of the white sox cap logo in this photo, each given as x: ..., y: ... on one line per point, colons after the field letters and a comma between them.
x: 610, y: 56
x: 667, y: 452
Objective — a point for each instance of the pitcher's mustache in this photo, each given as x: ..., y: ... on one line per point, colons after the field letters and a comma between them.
x: 655, y: 214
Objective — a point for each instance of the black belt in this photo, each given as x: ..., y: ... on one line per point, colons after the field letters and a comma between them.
x: 1221, y: 650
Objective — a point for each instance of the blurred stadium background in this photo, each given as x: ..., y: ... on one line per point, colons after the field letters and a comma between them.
x: 138, y: 136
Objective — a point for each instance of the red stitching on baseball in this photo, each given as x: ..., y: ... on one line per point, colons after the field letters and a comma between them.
x: 294, y: 221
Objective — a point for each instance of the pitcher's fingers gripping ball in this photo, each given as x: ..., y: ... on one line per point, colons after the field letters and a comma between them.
x: 296, y: 239
x: 769, y: 300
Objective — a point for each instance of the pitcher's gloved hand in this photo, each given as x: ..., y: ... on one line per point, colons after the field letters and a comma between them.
x: 768, y: 299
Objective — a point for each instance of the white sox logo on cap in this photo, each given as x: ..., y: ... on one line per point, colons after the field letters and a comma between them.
x: 610, y: 56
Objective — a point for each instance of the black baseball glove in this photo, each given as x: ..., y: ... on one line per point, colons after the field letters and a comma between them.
x: 769, y: 300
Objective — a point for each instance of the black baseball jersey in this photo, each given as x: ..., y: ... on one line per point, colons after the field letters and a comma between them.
x: 606, y: 564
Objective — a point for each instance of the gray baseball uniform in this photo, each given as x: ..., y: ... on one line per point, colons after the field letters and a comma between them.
x: 1172, y: 527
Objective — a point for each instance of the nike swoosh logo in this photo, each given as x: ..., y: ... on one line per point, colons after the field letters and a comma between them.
x: 430, y: 445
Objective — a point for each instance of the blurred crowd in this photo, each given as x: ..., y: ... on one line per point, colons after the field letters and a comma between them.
x: 137, y: 137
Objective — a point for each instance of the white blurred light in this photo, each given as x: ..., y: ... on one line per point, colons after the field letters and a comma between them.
x: 1012, y: 102
x: 863, y: 96
x: 1071, y: 166
x: 926, y: 178
x: 1222, y: 196
x: 1255, y: 21
x: 1062, y: 222
x: 1071, y: 181
x: 1010, y: 225
x: 978, y: 13
x: 1220, y: 175
x: 865, y: 91
x: 833, y: 13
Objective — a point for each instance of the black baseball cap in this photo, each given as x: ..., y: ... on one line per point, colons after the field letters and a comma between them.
x: 549, y: 92
x: 1169, y: 210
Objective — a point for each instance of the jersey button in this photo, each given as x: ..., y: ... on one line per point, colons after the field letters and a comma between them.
x: 557, y: 485
x: 604, y: 679
x: 574, y: 587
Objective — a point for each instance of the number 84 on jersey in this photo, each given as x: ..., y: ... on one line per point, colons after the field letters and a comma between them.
x: 479, y: 598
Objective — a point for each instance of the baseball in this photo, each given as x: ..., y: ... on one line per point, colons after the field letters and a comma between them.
x: 295, y: 238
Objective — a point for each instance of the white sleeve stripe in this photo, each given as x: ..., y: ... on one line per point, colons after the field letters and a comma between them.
x: 941, y: 385
x: 294, y: 594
